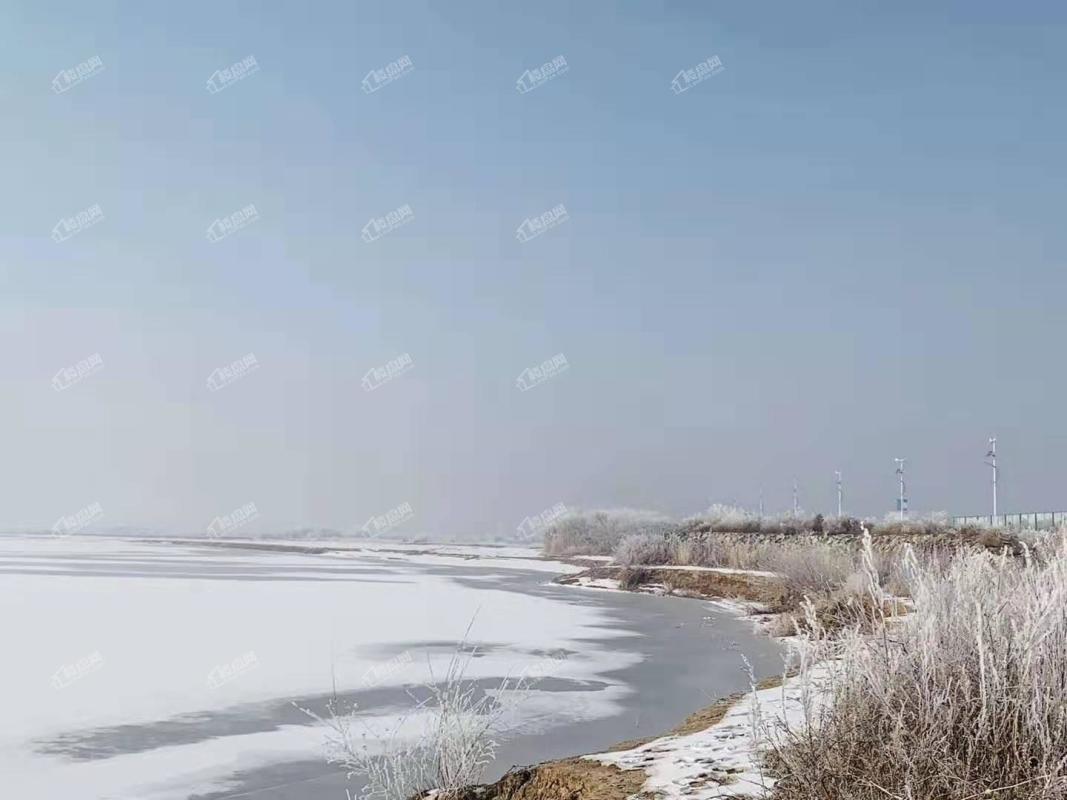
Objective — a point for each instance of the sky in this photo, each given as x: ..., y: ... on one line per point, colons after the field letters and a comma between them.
x: 843, y: 247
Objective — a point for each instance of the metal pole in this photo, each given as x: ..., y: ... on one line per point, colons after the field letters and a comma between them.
x: 900, y: 474
x: 992, y: 454
x: 796, y: 502
x: 761, y: 504
x: 839, y: 506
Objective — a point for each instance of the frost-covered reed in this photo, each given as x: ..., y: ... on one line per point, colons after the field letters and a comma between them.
x: 599, y: 532
x: 965, y: 697
x: 443, y: 745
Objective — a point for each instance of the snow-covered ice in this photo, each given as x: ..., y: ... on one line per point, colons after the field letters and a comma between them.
x: 103, y: 632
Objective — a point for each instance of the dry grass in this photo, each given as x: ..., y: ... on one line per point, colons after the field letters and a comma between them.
x: 632, y: 577
x: 828, y: 570
x: 803, y: 569
x: 963, y: 698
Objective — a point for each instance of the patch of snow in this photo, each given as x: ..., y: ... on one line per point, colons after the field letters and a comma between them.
x: 725, y: 759
x: 739, y: 607
x: 585, y: 582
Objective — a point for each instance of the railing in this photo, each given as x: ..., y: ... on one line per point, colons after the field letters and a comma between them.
x: 1032, y: 521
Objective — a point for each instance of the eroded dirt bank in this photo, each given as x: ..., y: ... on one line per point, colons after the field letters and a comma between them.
x: 579, y: 778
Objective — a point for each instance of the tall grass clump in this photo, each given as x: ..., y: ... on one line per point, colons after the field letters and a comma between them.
x: 804, y: 567
x: 443, y: 745
x: 643, y: 549
x: 812, y: 568
x: 599, y: 532
x: 963, y: 698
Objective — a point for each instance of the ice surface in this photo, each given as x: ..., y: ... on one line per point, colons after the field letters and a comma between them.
x: 104, y: 632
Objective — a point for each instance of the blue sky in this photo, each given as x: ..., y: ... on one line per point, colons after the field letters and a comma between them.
x: 843, y: 248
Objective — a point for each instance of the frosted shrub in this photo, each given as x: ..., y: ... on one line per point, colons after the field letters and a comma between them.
x: 446, y: 745
x: 644, y: 548
x: 962, y: 698
x: 811, y: 568
x: 927, y: 524
x: 600, y: 532
x: 722, y: 517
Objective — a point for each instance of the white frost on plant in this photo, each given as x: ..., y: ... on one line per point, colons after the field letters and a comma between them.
x: 599, y: 532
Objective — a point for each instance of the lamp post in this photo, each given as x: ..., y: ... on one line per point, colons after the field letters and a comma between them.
x: 902, y: 502
x: 839, y: 494
x: 992, y: 455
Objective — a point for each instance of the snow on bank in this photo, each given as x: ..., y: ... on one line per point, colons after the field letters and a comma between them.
x: 733, y: 606
x: 724, y: 760
x: 753, y: 573
x: 614, y: 585
x: 739, y: 607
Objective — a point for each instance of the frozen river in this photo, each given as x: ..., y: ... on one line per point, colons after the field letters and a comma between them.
x: 136, y: 669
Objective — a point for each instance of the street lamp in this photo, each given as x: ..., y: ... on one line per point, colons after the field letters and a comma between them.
x: 902, y: 502
x: 992, y: 454
x: 839, y: 506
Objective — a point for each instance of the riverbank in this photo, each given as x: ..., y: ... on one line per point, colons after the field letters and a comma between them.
x: 713, y: 753
x: 911, y: 585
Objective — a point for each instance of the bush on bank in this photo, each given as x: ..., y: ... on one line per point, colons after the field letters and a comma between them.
x: 962, y: 698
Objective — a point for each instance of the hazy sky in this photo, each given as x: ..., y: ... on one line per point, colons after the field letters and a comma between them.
x: 846, y: 246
